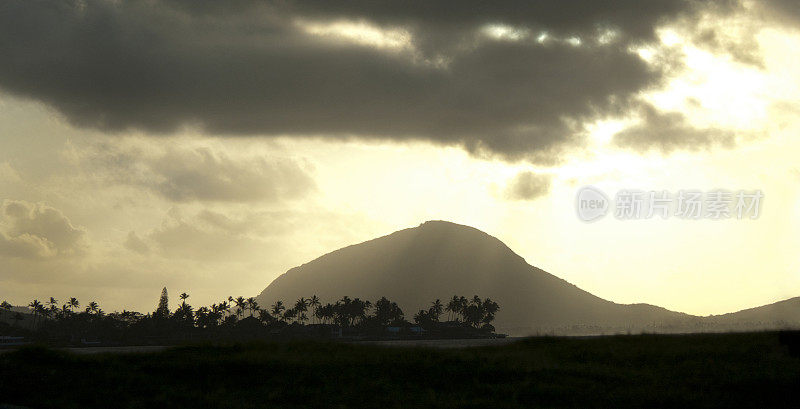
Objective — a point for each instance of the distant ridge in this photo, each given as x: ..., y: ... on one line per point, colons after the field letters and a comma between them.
x: 439, y: 259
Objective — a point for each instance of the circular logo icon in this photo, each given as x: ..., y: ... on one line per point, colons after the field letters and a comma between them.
x: 591, y: 204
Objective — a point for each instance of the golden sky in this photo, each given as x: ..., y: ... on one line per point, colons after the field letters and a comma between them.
x: 111, y: 203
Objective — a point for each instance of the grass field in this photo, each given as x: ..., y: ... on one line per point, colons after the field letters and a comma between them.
x: 711, y: 370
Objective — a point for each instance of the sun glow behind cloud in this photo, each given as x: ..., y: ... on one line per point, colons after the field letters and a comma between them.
x: 360, y: 32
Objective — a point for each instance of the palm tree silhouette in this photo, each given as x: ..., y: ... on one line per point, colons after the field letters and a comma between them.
x: 452, y: 308
x: 320, y: 313
x: 92, y: 307
x: 64, y: 312
x: 314, y: 304
x: 436, y: 310
x: 277, y: 310
x: 37, y: 307
x: 241, y: 304
x: 52, y: 303
x: 252, y: 304
x: 490, y: 308
x: 203, y: 316
x: 73, y: 303
x: 300, y: 307
x: 290, y: 314
x: 224, y: 307
x: 462, y: 306
x: 362, y: 309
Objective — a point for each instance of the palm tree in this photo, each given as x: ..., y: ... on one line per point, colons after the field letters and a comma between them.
x: 184, y: 314
x: 45, y: 312
x: 452, y: 308
x: 92, y: 307
x: 52, y: 303
x: 64, y: 312
x: 314, y: 304
x: 362, y: 309
x: 241, y: 304
x: 490, y: 308
x: 462, y: 306
x: 215, y: 314
x: 435, y: 310
x: 301, y: 306
x: 320, y: 314
x: 290, y: 314
x: 345, y: 313
x: 329, y: 312
x: 202, y: 316
x: 277, y: 310
x: 73, y: 303
x: 254, y: 307
x: 36, y: 306
x: 422, y: 317
x: 183, y: 297
x: 224, y: 308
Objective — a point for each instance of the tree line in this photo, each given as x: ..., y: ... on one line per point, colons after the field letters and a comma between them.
x: 346, y: 312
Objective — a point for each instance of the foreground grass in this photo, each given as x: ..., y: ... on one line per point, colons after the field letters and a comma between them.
x: 723, y: 370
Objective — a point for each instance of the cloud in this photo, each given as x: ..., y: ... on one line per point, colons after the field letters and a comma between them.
x: 669, y: 131
x: 210, y: 235
x: 136, y: 244
x: 8, y: 174
x: 783, y: 11
x: 742, y: 48
x: 203, y: 174
x: 258, y: 68
x: 527, y: 186
x: 185, y: 174
x: 37, y: 231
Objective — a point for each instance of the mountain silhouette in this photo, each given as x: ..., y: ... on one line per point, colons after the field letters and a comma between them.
x: 440, y: 259
x: 781, y: 314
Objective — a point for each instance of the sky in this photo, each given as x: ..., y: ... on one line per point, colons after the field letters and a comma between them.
x: 210, y: 148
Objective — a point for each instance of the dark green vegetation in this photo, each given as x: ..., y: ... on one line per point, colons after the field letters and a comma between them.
x: 240, y: 319
x: 719, y: 370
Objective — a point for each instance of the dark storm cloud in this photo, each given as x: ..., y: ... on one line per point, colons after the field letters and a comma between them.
x: 669, y: 131
x: 251, y: 69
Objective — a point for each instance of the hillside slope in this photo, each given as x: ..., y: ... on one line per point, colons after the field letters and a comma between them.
x: 439, y: 259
